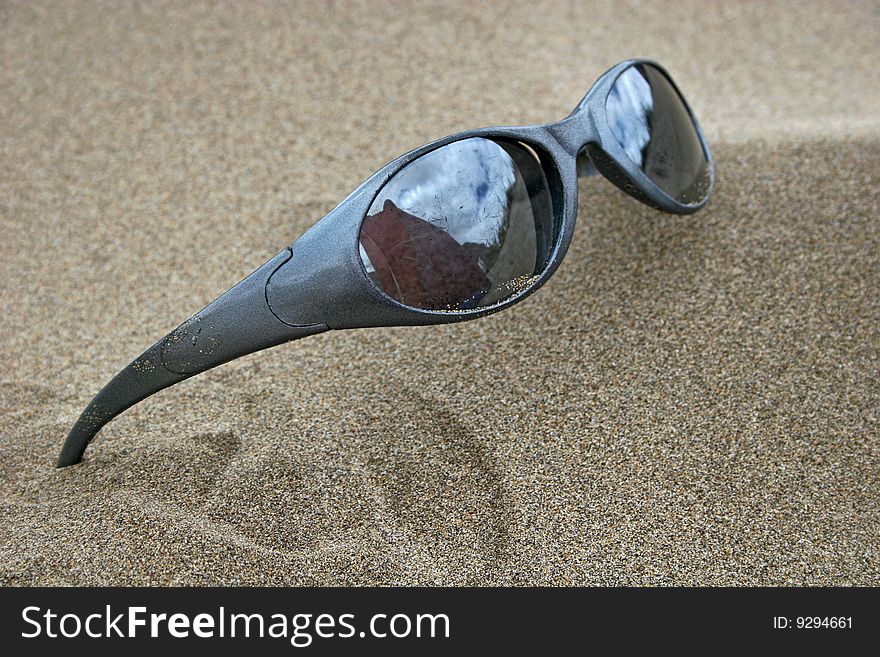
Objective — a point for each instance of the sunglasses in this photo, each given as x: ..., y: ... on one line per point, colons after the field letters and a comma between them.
x: 457, y: 229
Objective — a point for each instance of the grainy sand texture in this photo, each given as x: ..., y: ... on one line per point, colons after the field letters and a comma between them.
x: 690, y: 400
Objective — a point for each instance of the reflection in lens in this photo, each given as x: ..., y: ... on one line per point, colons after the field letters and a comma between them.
x: 653, y: 126
x: 464, y: 226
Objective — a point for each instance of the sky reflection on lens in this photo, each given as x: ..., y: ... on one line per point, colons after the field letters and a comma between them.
x: 657, y: 133
x: 456, y: 228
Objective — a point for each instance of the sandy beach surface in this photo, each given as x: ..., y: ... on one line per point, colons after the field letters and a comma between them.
x: 690, y: 400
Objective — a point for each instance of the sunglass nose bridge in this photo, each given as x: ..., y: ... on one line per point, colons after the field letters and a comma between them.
x: 573, y: 132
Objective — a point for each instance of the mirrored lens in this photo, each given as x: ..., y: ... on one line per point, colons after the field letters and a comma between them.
x: 651, y: 122
x: 464, y: 226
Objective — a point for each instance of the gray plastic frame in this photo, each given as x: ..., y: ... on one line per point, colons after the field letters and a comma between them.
x: 319, y: 283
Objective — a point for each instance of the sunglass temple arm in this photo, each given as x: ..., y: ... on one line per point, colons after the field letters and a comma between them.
x: 239, y: 322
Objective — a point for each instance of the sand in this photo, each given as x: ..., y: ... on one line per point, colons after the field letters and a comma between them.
x: 690, y: 400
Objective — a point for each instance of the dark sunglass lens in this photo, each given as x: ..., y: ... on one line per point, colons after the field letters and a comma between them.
x: 651, y: 122
x: 464, y: 226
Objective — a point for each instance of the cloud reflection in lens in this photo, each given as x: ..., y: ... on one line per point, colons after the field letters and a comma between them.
x: 466, y: 225
x: 657, y: 133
